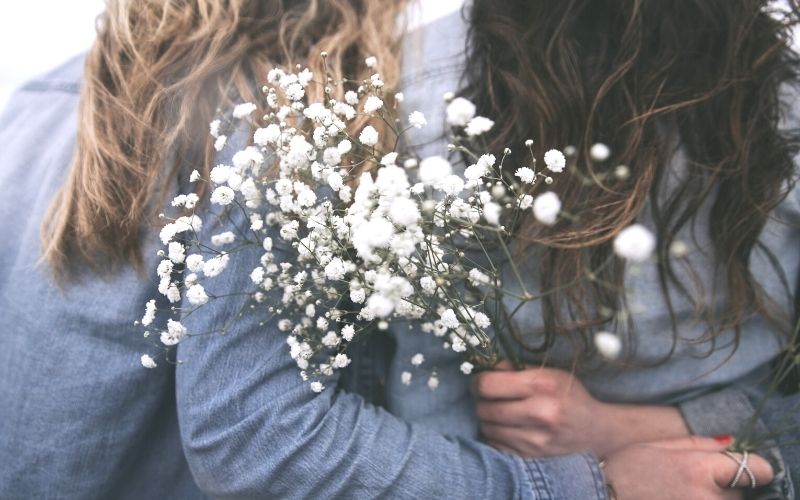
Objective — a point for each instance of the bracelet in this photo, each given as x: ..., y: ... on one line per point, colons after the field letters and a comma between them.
x: 612, y: 493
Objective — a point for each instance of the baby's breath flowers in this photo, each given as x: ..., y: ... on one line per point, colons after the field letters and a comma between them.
x: 546, y: 208
x: 352, y: 237
x: 147, y: 361
x: 635, y: 243
x: 599, y: 152
x: 555, y: 161
x: 525, y: 175
x: 417, y: 120
x: 608, y: 345
x: 459, y: 112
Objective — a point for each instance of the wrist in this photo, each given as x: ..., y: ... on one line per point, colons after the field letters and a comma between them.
x: 612, y: 493
x: 633, y: 424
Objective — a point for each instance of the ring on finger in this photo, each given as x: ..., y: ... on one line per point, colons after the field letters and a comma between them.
x: 744, y: 468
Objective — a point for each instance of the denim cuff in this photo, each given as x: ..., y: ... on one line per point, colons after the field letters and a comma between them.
x: 569, y: 476
x: 724, y: 412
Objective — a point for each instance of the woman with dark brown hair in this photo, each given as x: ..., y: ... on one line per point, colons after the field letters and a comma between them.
x: 688, y: 95
x: 697, y: 101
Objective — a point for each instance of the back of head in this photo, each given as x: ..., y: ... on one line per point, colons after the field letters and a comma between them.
x: 155, y: 78
x: 642, y: 76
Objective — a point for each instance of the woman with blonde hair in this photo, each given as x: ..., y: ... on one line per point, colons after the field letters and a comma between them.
x: 94, y: 150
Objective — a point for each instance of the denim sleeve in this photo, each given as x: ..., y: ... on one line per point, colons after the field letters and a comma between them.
x: 251, y: 428
x: 726, y: 410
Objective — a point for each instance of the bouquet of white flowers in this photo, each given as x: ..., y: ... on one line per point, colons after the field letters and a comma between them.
x: 372, y: 235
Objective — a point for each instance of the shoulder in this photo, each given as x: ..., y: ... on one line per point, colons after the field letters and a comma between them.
x: 43, y: 103
x: 65, y: 78
x: 54, y: 92
x: 38, y: 125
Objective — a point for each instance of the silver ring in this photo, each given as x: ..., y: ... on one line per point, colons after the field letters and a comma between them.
x: 743, y: 469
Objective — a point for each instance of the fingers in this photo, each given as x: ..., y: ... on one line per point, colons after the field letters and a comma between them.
x: 503, y: 412
x: 518, y: 384
x: 731, y: 494
x: 761, y: 468
x: 511, y: 439
x: 501, y: 385
x: 502, y: 434
x: 539, y: 412
x: 689, y: 443
x: 725, y: 469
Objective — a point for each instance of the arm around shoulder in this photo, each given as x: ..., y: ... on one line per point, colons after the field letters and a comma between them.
x: 252, y: 428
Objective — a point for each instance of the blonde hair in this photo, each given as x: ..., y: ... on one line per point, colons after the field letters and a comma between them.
x: 156, y: 76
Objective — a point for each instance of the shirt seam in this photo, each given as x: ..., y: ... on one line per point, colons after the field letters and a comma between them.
x: 538, y: 482
x: 597, y: 476
x: 42, y: 86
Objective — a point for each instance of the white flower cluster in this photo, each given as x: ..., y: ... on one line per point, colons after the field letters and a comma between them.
x: 346, y: 249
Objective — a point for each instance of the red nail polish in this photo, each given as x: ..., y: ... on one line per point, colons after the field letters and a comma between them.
x: 725, y: 439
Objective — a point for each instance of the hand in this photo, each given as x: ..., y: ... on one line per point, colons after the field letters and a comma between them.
x: 681, y: 469
x: 539, y: 412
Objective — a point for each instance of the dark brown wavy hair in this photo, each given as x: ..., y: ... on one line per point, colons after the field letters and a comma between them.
x: 640, y: 75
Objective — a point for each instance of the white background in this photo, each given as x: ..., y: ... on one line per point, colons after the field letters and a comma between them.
x: 37, y: 35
